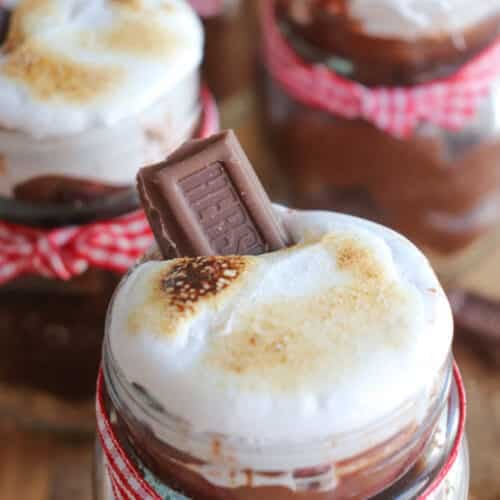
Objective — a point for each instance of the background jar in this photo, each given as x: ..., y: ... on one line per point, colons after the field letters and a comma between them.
x: 402, y: 456
x: 51, y: 330
x: 440, y: 187
x: 226, y: 45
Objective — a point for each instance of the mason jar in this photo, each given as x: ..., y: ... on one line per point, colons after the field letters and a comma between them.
x: 417, y: 450
x: 70, y: 223
x: 441, y: 470
x: 390, y: 111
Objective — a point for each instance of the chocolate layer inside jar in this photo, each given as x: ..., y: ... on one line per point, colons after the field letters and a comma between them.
x: 64, y: 190
x: 51, y: 333
x: 51, y: 330
x: 331, y: 30
x: 354, y: 476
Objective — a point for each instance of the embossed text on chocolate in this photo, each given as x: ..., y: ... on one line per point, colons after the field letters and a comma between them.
x: 221, y: 212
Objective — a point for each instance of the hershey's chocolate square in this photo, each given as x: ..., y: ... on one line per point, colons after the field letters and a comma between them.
x: 207, y: 200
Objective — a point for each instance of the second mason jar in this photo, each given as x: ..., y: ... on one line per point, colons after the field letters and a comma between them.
x: 390, y: 110
x: 88, y: 94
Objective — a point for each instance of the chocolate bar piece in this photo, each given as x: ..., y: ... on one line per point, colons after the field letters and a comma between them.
x: 206, y: 199
x: 4, y: 23
x: 475, y: 315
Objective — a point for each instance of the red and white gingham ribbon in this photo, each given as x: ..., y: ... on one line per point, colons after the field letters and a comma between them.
x: 66, y: 252
x: 449, y: 103
x: 438, y: 483
x: 127, y: 482
x: 208, y: 8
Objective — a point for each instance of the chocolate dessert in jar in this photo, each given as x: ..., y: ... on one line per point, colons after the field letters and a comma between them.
x: 309, y: 359
x: 389, y: 110
x: 89, y: 92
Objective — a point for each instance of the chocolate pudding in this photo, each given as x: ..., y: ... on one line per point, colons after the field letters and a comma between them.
x: 159, y: 463
x: 438, y: 186
x: 78, y: 119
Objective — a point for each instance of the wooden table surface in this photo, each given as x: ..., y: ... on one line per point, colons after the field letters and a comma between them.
x: 41, y: 467
x: 44, y: 467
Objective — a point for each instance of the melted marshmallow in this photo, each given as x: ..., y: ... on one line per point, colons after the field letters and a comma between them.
x: 71, y: 65
x: 322, y: 338
x: 411, y: 19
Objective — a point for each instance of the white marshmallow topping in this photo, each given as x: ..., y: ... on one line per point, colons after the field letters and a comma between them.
x: 71, y: 65
x: 325, y: 337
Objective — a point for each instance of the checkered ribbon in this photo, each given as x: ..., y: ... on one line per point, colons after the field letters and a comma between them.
x: 128, y: 484
x: 70, y: 251
x: 126, y: 481
x: 449, y: 103
x: 208, y: 8
x: 435, y: 489
x: 66, y: 252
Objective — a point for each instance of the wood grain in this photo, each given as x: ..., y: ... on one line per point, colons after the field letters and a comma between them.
x: 43, y: 467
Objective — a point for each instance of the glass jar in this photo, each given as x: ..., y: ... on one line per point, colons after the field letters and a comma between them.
x: 424, y: 460
x: 51, y: 330
x: 439, y: 185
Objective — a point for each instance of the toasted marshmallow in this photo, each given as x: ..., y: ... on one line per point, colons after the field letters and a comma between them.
x: 71, y: 65
x: 413, y: 19
x: 322, y: 338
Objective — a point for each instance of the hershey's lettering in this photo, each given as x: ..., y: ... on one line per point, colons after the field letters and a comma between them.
x: 221, y: 212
